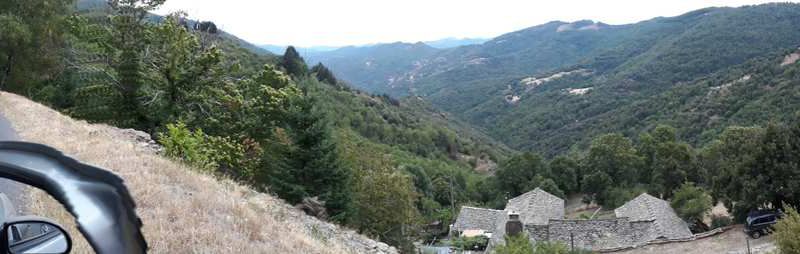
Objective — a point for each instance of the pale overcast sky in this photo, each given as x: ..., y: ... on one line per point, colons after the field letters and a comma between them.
x: 354, y: 22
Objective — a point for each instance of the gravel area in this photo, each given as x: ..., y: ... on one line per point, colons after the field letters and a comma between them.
x: 733, y: 241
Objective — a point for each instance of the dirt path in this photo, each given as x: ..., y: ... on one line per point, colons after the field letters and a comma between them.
x: 733, y: 241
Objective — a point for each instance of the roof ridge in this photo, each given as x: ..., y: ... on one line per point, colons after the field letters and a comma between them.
x: 650, y: 212
x: 480, y: 208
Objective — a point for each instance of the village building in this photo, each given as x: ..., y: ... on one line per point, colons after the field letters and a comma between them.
x: 639, y: 221
x: 666, y: 223
x: 473, y: 221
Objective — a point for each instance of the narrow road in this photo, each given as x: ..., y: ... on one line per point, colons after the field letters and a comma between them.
x: 12, y: 189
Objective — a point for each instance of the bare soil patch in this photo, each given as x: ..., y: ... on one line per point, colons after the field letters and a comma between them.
x: 733, y: 241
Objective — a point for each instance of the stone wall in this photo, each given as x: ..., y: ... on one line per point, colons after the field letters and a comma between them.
x: 593, y: 234
x: 538, y: 232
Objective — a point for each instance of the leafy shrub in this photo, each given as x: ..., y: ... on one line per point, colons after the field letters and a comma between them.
x: 471, y: 243
x: 521, y: 245
x: 691, y: 203
x: 787, y: 232
x: 198, y: 149
x: 718, y: 221
x: 515, y: 245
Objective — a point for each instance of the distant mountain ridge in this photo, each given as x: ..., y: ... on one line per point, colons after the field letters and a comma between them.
x: 453, y: 42
x: 553, y: 86
x: 445, y: 43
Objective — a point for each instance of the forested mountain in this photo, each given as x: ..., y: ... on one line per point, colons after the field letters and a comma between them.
x: 381, y: 166
x: 589, y: 104
x: 550, y: 87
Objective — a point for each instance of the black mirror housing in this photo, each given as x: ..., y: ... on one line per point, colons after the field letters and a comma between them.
x: 102, y: 206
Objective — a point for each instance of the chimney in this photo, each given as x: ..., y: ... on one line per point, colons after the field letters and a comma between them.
x: 513, y: 225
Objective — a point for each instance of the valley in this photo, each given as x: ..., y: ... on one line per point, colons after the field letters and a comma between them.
x: 630, y: 65
x: 641, y: 131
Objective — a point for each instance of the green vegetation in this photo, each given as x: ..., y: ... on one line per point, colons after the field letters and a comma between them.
x: 31, y: 41
x: 515, y: 245
x: 691, y: 203
x: 659, y: 71
x: 746, y: 168
x: 662, y: 118
x: 470, y: 243
x: 521, y: 245
x: 787, y: 231
x: 380, y: 166
x: 718, y: 221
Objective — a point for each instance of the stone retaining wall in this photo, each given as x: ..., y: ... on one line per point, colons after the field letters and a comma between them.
x: 593, y: 234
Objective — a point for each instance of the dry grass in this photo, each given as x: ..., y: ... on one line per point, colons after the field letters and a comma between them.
x: 183, y: 211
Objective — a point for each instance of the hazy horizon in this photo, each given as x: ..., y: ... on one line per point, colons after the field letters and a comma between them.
x: 357, y: 22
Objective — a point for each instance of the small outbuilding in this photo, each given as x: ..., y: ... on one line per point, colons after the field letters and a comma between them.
x: 537, y: 207
x: 474, y: 219
x: 666, y: 223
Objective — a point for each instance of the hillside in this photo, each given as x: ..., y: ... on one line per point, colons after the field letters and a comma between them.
x: 233, y: 218
x: 553, y: 86
x: 385, y: 168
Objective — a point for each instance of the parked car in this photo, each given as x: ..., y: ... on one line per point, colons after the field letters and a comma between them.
x: 760, y: 223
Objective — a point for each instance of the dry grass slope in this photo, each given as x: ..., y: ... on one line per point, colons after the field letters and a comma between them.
x: 183, y: 211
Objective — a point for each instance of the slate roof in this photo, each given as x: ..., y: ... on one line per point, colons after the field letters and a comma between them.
x: 666, y: 224
x: 470, y: 218
x: 536, y: 207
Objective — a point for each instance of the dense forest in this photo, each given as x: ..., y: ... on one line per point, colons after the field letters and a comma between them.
x: 398, y: 169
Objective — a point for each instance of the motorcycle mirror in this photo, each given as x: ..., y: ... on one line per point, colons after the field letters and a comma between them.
x: 35, y: 235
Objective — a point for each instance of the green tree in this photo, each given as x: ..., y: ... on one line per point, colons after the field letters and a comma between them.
x: 129, y: 37
x: 515, y: 175
x: 546, y: 184
x: 670, y: 162
x: 595, y: 185
x: 323, y: 74
x: 761, y: 173
x: 787, y: 231
x: 614, y: 155
x: 519, y: 244
x: 691, y: 203
x: 565, y: 171
x: 180, y: 73
x: 315, y: 161
x: 776, y: 167
x: 293, y: 63
x: 618, y: 196
x: 422, y: 181
x: 31, y: 42
x: 612, y: 162
x: 14, y: 36
x: 726, y: 159
x: 384, y: 206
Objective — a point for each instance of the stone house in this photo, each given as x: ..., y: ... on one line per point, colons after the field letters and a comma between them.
x: 643, y: 219
x: 474, y: 218
x: 666, y: 223
x: 536, y: 207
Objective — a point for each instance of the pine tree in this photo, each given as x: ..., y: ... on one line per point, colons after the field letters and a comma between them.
x: 314, y: 162
x: 323, y: 74
x: 293, y: 63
